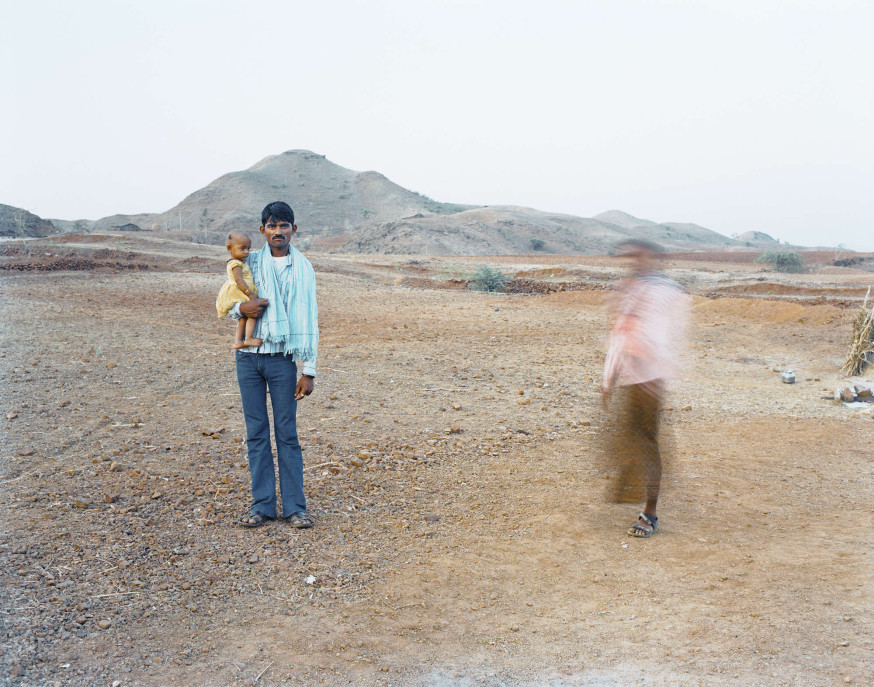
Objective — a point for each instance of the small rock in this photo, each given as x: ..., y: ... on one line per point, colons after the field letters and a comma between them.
x: 687, y: 407
x: 25, y: 452
x: 364, y: 455
x: 63, y: 404
x: 455, y: 429
x: 82, y: 502
x: 311, y: 579
x: 156, y: 494
x: 253, y: 559
x: 11, y: 415
x: 847, y: 394
x: 585, y: 423
x: 115, y: 467
x: 109, y: 366
x: 456, y: 406
x: 862, y: 391
x: 432, y: 517
x: 104, y: 624
x: 110, y: 498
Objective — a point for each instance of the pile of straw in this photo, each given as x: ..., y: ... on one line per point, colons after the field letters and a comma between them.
x: 862, y: 347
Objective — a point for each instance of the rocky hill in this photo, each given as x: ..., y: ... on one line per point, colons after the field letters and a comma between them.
x: 756, y: 237
x: 327, y: 198
x: 517, y: 230
x: 680, y: 234
x: 15, y: 222
x: 343, y: 210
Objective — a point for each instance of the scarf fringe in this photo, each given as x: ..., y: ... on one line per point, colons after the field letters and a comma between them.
x: 295, y: 325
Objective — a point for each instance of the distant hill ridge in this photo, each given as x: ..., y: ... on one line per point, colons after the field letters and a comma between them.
x: 344, y: 210
x: 756, y: 237
x: 16, y: 222
x: 328, y: 199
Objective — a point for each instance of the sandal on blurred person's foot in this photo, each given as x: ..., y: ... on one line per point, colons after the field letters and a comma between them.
x: 645, y: 527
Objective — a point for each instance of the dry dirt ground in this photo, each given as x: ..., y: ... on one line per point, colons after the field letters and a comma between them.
x: 453, y: 463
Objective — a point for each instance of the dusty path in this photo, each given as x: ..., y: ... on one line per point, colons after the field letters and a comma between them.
x: 469, y: 545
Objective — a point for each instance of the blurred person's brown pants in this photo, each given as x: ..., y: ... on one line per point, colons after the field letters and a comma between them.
x: 635, y: 443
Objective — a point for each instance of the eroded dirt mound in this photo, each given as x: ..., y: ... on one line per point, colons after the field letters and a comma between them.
x: 577, y: 298
x: 15, y: 257
x: 761, y: 310
x: 539, y: 286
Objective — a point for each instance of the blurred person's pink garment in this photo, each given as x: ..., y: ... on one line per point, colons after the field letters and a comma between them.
x: 647, y: 335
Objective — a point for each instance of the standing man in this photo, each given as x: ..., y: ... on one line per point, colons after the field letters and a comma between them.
x: 288, y: 324
x: 650, y: 316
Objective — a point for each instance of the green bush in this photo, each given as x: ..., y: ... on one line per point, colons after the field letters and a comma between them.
x: 488, y: 279
x: 537, y: 244
x: 783, y: 261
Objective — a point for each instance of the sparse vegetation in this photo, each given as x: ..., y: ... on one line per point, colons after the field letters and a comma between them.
x: 861, y: 353
x: 537, y: 244
x: 782, y: 261
x: 488, y: 279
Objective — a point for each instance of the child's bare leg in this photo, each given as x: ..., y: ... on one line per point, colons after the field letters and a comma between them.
x: 240, y: 332
x: 250, y: 330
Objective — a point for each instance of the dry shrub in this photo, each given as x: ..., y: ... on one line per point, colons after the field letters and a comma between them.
x: 782, y: 261
x: 861, y: 352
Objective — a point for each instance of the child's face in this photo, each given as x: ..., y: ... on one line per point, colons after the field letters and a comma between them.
x: 239, y: 248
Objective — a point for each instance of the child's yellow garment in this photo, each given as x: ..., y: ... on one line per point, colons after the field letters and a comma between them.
x: 230, y: 294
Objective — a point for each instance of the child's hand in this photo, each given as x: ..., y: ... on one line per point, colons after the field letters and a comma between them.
x: 253, y: 308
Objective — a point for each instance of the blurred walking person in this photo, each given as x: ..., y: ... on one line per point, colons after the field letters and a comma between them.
x: 650, y: 314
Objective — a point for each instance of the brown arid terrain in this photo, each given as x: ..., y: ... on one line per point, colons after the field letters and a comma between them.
x: 454, y: 470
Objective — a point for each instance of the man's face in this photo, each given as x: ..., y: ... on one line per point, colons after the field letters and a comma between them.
x: 278, y: 234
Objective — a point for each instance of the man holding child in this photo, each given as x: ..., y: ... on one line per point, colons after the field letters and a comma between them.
x: 288, y: 326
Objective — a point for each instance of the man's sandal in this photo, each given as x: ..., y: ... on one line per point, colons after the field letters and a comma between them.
x: 638, y: 530
x: 253, y: 520
x: 300, y: 521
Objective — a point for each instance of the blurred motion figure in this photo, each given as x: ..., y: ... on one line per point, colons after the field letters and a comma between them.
x: 649, y: 320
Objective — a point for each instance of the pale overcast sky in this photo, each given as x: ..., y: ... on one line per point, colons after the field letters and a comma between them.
x: 737, y: 115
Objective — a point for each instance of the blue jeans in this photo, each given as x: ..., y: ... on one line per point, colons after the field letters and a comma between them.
x: 255, y: 373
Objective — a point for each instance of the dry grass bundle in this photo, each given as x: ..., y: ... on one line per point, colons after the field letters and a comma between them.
x: 862, y: 346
